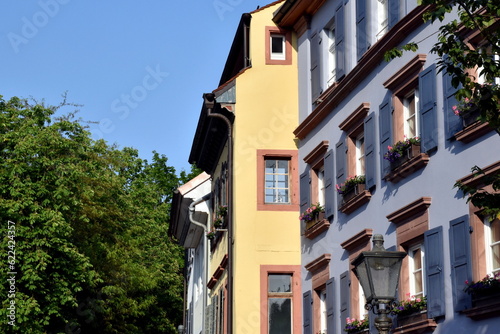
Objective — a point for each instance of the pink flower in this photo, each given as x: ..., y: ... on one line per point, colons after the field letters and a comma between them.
x: 389, y: 147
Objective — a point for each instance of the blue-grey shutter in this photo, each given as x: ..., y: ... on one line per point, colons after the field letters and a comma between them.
x: 393, y: 13
x: 427, y: 108
x: 340, y: 155
x: 305, y: 191
x: 340, y: 42
x: 345, y: 296
x: 329, y: 184
x: 330, y: 306
x: 307, y: 312
x: 460, y: 261
x: 315, y: 66
x: 370, y: 161
x: 433, y: 246
x: 385, y: 124
x: 453, y: 122
x: 361, y: 35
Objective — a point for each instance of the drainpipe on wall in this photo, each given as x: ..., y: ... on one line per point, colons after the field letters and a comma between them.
x: 205, y: 252
x: 209, y: 101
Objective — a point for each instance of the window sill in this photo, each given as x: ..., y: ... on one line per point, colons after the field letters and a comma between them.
x: 415, y: 323
x: 355, y: 202
x: 317, y: 228
x: 484, y: 308
x: 473, y: 131
x: 407, y: 168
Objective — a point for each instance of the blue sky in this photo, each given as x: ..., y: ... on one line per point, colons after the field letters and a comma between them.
x: 138, y: 68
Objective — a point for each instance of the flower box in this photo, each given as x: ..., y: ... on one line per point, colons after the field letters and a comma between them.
x: 320, y: 216
x: 353, y: 191
x: 487, y: 300
x: 470, y: 118
x: 405, y: 320
x: 484, y: 307
x: 409, y: 153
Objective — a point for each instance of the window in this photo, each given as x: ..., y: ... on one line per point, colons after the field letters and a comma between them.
x: 320, y: 316
x: 382, y: 18
x: 322, y: 311
x: 355, y: 156
x: 280, y: 303
x: 409, y: 111
x: 327, y: 55
x: 330, y: 33
x: 320, y: 173
x: 360, y: 154
x: 278, y: 46
x: 352, y: 299
x: 492, y: 233
x: 279, y: 299
x: 278, y: 184
x: 420, y: 275
x: 416, y: 271
x: 410, y: 114
x: 316, y: 182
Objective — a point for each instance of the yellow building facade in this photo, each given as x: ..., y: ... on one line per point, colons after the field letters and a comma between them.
x: 245, y: 141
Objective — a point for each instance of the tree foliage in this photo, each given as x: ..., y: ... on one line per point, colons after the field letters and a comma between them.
x: 468, y: 47
x: 86, y: 226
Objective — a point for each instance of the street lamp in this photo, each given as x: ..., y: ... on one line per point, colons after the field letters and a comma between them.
x: 378, y: 272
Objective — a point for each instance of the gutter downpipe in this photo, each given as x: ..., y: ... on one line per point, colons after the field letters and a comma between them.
x: 205, y: 253
x: 209, y: 102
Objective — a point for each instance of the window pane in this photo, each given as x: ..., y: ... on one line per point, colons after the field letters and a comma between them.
x: 279, y: 283
x: 270, y: 166
x: 277, y: 181
x: 417, y: 259
x: 495, y: 231
x: 280, y: 315
x: 277, y: 44
x: 495, y: 254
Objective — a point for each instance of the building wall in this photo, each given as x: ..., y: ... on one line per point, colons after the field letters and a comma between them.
x: 450, y: 161
x: 266, y: 114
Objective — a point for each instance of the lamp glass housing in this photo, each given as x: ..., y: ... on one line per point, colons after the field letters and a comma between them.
x: 378, y: 272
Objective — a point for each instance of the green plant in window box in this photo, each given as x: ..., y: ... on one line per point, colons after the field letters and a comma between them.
x: 350, y: 183
x: 311, y: 213
x: 400, y: 148
x: 211, y: 234
x: 354, y: 325
x: 409, y: 306
x: 489, y: 285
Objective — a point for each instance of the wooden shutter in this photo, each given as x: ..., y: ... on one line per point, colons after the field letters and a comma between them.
x: 315, y: 66
x: 385, y: 124
x: 305, y: 191
x: 361, y: 35
x: 340, y: 155
x: 340, y: 42
x: 427, y: 108
x: 330, y: 306
x: 460, y: 261
x: 307, y: 312
x: 453, y: 122
x: 345, y: 297
x: 370, y: 161
x: 433, y: 246
x: 393, y: 14
x: 329, y: 184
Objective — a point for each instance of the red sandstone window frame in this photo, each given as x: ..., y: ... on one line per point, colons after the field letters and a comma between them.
x: 292, y: 156
x: 288, y: 46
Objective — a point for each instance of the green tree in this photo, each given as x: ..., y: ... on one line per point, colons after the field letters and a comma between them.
x: 467, y: 59
x: 86, y: 227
